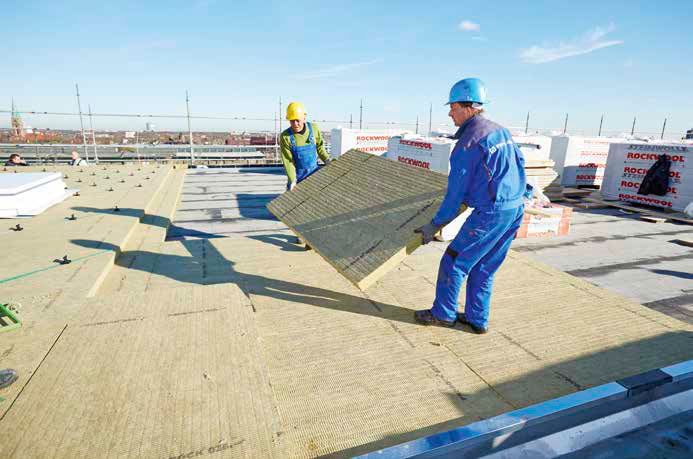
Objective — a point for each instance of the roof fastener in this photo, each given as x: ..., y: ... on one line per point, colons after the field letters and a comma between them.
x: 63, y: 261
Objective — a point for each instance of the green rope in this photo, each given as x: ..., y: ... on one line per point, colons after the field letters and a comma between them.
x: 20, y: 276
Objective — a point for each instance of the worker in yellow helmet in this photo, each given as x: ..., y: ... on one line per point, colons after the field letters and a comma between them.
x: 301, y: 145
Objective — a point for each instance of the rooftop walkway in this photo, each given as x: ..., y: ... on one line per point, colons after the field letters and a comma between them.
x: 248, y: 346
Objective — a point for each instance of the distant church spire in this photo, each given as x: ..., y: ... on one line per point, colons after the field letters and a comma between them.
x: 15, y: 122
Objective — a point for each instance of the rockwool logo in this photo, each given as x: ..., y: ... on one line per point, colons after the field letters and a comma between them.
x: 644, y: 199
x: 372, y: 138
x: 371, y: 149
x: 413, y: 143
x: 627, y: 184
x: 414, y: 162
x: 589, y: 177
x: 590, y: 165
x: 643, y: 171
x: 655, y: 157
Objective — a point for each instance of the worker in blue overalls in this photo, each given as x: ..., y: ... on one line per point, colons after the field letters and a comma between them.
x: 487, y: 174
x: 301, y: 145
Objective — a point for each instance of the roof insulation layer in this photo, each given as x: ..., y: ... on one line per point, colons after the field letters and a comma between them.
x: 282, y: 358
x: 360, y: 212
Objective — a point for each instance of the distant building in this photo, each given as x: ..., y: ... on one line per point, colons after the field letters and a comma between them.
x: 261, y: 139
x: 150, y: 127
x: 16, y: 126
x: 689, y: 134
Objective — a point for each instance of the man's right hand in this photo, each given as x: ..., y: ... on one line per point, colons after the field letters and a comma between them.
x: 292, y: 185
x: 428, y: 231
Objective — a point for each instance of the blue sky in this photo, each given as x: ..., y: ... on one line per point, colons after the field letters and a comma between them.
x: 622, y: 59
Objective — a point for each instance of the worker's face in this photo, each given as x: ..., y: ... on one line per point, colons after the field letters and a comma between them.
x: 297, y: 125
x: 460, y: 113
x: 17, y: 159
x: 75, y: 155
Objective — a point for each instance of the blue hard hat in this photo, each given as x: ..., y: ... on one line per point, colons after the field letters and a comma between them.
x: 468, y: 90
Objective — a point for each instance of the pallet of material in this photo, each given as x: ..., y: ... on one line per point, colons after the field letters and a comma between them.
x: 538, y: 163
x: 547, y: 222
x: 590, y: 205
x: 359, y: 212
x: 651, y: 219
x: 650, y: 211
x: 577, y: 192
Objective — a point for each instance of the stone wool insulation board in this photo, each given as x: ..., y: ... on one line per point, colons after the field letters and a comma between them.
x: 628, y: 164
x: 581, y: 160
x: 360, y: 212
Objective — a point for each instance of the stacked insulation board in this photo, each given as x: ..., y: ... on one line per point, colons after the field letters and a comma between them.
x: 540, y: 173
x: 360, y: 212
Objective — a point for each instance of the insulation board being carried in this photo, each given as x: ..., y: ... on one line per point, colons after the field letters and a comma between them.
x: 359, y: 213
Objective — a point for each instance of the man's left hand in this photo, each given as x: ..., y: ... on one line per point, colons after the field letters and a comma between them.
x: 428, y: 231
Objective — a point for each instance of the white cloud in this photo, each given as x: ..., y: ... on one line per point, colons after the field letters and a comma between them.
x: 469, y: 26
x: 591, y: 41
x: 335, y: 70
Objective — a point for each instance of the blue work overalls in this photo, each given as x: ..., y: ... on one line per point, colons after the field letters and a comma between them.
x: 487, y: 174
x: 305, y: 157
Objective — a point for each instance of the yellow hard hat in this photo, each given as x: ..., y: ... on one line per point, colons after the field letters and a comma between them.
x: 295, y: 111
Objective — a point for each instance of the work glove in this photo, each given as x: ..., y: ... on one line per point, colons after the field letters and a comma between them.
x: 292, y: 185
x: 428, y: 231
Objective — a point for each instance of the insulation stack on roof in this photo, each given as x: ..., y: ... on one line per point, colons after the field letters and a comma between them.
x: 554, y: 222
x: 365, y: 140
x: 540, y: 173
x: 580, y: 160
x: 432, y: 153
x: 534, y: 147
x: 628, y: 164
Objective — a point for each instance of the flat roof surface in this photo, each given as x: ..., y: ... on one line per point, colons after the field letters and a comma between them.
x: 616, y: 250
x: 249, y: 346
x: 220, y: 202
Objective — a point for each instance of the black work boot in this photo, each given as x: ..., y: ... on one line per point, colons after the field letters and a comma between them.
x: 463, y: 320
x: 426, y: 318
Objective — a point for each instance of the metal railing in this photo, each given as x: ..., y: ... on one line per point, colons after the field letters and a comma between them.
x: 61, y: 153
